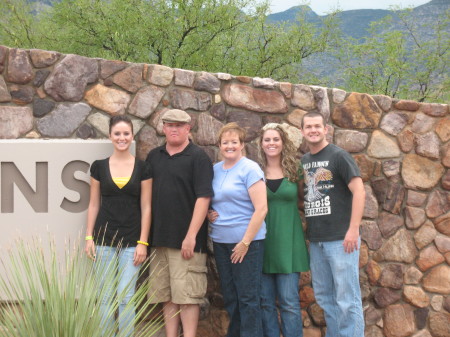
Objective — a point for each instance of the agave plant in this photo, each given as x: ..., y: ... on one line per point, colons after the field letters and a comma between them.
x: 51, y: 297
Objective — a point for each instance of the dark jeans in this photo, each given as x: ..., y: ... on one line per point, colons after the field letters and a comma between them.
x: 241, y: 285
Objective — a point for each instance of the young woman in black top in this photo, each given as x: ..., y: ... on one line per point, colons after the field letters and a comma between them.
x: 119, y: 217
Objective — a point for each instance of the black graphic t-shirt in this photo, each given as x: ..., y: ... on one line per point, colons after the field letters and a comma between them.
x: 328, y: 200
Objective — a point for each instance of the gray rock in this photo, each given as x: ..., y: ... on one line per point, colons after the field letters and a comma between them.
x: 188, y: 99
x: 64, y: 120
x: 207, y: 82
x: 41, y: 107
x: 70, y: 77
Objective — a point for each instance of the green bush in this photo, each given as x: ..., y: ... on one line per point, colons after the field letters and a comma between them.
x: 47, y: 297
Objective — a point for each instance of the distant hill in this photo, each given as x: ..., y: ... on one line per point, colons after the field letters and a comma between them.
x: 356, y: 22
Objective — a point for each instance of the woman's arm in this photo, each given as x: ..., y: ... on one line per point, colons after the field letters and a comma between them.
x: 140, y: 253
x: 258, y: 196
x: 94, y: 207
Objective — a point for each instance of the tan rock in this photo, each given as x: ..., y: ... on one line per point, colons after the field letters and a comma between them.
x: 442, y: 224
x: 131, y: 78
x: 306, y: 296
x: 381, y: 146
x: 110, y: 67
x: 434, y: 109
x: 373, y: 331
x: 407, y: 105
x: 442, y: 243
x: 15, y: 121
x: 445, y: 153
x: 428, y: 258
x: 160, y: 75
x: 208, y: 130
x: 446, y: 181
x: 399, y: 248
x: 420, y: 173
x: 443, y: 129
x: 416, y: 199
x: 317, y: 314
x: 399, y: 320
x: 439, y: 324
x: 391, y: 276
x: 295, y: 117
x: 312, y: 332
x: 100, y: 122
x: 370, y: 205
x: 422, y: 333
x: 19, y: 69
x: 391, y: 168
x: 406, y: 140
x: 358, y: 111
x: 338, y: 95
x: 366, y: 166
x: 425, y: 235
x: 146, y: 101
x: 437, y: 302
x: 43, y: 58
x: 286, y: 89
x: 438, y: 203
x: 394, y: 122
x: 303, y: 97
x: 259, y: 100
x: 111, y: 100
x: 422, y: 123
x: 373, y: 271
x: 414, y: 216
x: 350, y: 140
x: 5, y: 96
x: 412, y: 275
x: 147, y: 140
x: 427, y: 145
x: 416, y: 296
x: 438, y: 280
x: 384, y: 102
x: 389, y: 223
x: 363, y: 255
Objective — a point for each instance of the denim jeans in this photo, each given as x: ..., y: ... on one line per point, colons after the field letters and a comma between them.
x: 335, y: 279
x: 283, y: 287
x: 241, y: 284
x: 121, y: 261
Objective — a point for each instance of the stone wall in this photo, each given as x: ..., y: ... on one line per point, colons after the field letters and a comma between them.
x: 402, y: 148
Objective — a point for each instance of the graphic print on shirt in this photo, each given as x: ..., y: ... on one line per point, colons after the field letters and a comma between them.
x: 318, y: 181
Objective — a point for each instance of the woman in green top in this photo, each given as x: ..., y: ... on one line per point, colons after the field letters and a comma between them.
x: 285, y: 252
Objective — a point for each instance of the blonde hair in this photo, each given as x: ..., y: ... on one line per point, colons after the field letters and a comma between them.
x: 232, y: 127
x: 290, y: 165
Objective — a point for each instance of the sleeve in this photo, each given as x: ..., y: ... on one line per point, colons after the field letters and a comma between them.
x: 95, y: 170
x: 203, y: 175
x: 146, y: 170
x: 347, y: 166
x: 253, y: 174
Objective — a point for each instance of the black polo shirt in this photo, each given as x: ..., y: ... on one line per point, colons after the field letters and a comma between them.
x: 178, y: 181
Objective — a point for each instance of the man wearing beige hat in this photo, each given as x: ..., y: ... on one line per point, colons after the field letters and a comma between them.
x: 182, y: 189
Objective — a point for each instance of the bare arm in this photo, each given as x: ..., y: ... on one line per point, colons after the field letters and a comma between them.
x: 258, y: 196
x: 140, y: 253
x: 198, y: 217
x: 356, y: 186
x: 94, y: 207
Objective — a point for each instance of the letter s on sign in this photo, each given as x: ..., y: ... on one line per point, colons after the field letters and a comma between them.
x: 80, y: 186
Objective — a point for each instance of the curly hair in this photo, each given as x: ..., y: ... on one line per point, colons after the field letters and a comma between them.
x: 289, y: 163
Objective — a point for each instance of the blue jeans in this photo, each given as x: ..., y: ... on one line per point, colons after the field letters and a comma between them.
x: 120, y: 260
x: 335, y: 279
x: 241, y: 283
x: 285, y: 288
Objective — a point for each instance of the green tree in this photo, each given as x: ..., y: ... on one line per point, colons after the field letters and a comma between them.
x: 400, y: 61
x: 212, y: 35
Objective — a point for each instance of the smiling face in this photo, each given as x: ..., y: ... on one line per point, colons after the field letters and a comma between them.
x: 314, y: 131
x: 176, y: 133
x: 272, y: 143
x: 121, y: 136
x: 231, y: 147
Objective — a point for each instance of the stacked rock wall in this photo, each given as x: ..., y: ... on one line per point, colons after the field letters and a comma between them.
x: 402, y: 148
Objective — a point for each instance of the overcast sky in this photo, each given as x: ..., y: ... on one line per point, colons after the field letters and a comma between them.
x: 322, y: 7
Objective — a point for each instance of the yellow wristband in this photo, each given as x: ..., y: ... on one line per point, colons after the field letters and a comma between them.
x: 89, y: 237
x: 143, y: 243
x: 246, y: 244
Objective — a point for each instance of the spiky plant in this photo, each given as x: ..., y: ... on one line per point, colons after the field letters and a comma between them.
x: 47, y: 297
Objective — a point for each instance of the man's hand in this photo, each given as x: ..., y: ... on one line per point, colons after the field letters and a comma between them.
x: 351, y: 240
x: 187, y: 247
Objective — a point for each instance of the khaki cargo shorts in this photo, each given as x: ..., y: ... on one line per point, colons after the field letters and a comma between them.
x: 175, y: 279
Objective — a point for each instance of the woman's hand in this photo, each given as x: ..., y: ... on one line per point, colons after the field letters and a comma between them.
x: 89, y: 248
x: 239, y: 252
x: 212, y: 215
x: 140, y: 254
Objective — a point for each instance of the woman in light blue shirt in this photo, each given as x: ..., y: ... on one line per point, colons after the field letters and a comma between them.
x: 238, y: 232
